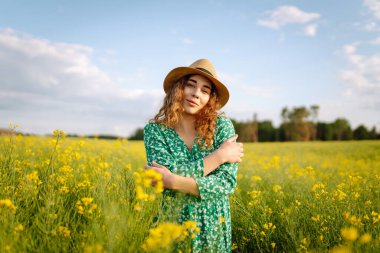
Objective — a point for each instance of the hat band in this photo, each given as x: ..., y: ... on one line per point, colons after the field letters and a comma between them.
x: 205, y: 70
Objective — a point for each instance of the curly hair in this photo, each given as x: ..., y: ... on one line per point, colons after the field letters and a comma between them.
x: 205, y: 120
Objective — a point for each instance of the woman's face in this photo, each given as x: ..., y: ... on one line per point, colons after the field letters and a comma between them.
x: 196, y: 94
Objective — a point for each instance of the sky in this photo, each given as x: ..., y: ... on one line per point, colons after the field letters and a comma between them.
x: 97, y: 67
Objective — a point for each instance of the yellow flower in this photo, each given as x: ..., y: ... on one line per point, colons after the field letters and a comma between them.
x: 277, y: 188
x: 191, y: 227
x: 95, y: 248
x: 7, y: 203
x: 356, y: 221
x: 222, y: 219
x: 349, y: 234
x: 256, y: 178
x: 64, y: 231
x: 59, y: 133
x: 87, y: 201
x: 64, y: 189
x: 365, y: 238
x: 269, y: 226
x: 19, y: 228
x: 162, y: 237
x: 85, y: 206
x: 138, y: 207
x: 315, y: 218
x: 341, y: 249
x: 146, y: 182
x: 33, y: 177
x: 79, y: 207
x: 140, y: 194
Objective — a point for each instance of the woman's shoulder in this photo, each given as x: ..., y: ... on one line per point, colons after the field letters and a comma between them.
x: 224, y: 128
x: 223, y: 121
x: 154, y: 127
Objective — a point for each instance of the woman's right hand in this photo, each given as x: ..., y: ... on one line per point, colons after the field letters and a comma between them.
x: 231, y: 151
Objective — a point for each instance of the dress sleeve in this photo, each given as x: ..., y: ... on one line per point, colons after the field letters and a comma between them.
x: 158, y: 150
x: 222, y: 181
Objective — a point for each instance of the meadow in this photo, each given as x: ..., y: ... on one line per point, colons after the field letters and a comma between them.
x: 60, y: 194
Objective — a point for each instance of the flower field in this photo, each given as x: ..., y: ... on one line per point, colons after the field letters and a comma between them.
x: 60, y: 194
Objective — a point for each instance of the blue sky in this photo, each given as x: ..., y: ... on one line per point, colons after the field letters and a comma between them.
x: 98, y: 66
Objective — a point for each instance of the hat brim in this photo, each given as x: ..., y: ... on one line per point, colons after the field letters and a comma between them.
x: 180, y: 72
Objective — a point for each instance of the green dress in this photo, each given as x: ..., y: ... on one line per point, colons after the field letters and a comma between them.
x: 211, y: 210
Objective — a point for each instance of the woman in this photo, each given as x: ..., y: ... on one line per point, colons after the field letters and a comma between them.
x: 194, y: 149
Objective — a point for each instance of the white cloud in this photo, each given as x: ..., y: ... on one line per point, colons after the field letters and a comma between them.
x: 311, y: 30
x: 46, y: 85
x: 374, y: 7
x: 284, y: 15
x: 375, y: 41
x: 362, y: 77
x: 371, y: 26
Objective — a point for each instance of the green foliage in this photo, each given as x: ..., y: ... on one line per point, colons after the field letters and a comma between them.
x: 137, y: 135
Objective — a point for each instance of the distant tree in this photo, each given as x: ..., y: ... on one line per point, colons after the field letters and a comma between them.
x: 341, y: 129
x: 255, y: 128
x: 295, y: 124
x: 324, y: 131
x: 361, y: 133
x: 280, y: 133
x: 314, y: 115
x: 373, y: 135
x: 247, y: 130
x: 266, y: 131
x: 238, y: 128
x: 137, y: 135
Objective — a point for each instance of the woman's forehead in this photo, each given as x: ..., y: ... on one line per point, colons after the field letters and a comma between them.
x: 200, y: 80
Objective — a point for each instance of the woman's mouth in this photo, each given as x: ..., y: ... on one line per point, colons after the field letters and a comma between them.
x: 191, y: 103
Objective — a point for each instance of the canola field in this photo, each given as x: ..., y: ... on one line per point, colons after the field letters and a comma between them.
x: 60, y: 194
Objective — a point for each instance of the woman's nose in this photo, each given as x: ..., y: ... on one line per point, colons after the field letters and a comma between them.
x: 196, y: 93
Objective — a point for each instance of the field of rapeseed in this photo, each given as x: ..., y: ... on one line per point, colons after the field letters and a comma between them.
x: 61, y: 194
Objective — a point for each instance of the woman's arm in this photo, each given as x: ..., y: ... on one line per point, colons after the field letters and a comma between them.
x: 212, y: 187
x: 175, y: 182
x: 157, y: 150
x: 228, y: 152
x: 222, y: 181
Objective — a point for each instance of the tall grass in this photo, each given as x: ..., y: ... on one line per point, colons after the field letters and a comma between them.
x: 78, y: 195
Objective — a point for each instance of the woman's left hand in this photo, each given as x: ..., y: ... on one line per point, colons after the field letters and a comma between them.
x: 167, y: 175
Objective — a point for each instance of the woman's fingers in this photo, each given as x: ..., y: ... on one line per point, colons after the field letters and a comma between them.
x: 159, y: 170
x: 156, y: 167
x: 156, y: 164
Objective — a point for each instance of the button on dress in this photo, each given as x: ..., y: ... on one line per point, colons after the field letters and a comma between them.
x: 211, y: 210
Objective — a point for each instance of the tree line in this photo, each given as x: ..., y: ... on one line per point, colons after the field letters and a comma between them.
x: 297, y: 124
x: 301, y: 124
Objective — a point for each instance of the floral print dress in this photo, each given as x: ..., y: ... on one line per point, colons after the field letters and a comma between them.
x: 211, y: 210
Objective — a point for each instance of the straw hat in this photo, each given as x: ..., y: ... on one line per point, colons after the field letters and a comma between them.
x: 201, y: 67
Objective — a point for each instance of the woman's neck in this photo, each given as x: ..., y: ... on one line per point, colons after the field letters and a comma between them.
x: 187, y: 124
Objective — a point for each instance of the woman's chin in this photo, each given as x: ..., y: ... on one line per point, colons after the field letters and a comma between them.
x: 190, y: 112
